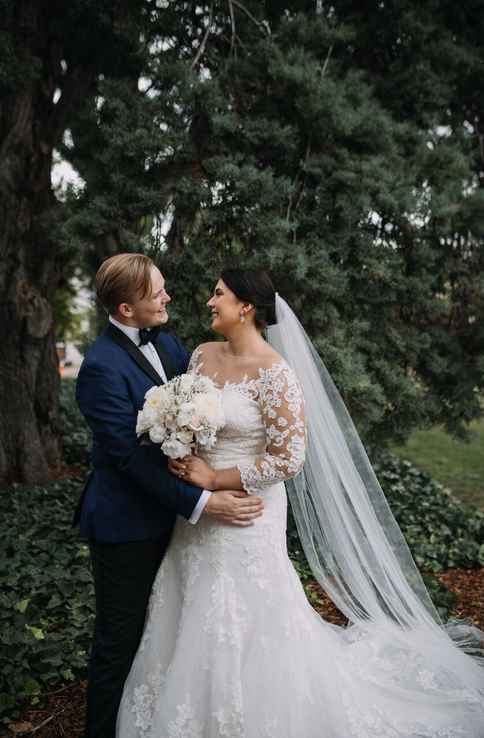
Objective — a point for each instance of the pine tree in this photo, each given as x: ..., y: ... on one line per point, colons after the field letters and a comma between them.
x: 335, y: 149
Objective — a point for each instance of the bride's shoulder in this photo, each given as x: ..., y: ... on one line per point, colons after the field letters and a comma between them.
x: 273, y: 363
x: 206, y: 354
x: 273, y: 368
x: 210, y: 348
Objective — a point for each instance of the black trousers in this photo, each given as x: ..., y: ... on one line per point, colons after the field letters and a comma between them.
x: 123, y: 578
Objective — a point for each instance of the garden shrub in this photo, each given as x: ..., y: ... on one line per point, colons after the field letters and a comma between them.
x: 46, y: 593
x: 76, y: 438
x: 441, y: 531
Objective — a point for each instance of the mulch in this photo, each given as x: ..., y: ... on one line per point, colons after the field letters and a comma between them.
x: 468, y: 586
x: 62, y: 715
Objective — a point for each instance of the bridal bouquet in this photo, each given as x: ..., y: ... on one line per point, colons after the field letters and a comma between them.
x: 185, y: 412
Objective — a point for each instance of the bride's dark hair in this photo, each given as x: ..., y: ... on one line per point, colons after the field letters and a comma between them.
x: 254, y: 286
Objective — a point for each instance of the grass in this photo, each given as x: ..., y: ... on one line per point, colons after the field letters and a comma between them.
x: 458, y: 465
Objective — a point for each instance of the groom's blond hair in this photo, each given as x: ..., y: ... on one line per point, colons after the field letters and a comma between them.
x: 123, y: 278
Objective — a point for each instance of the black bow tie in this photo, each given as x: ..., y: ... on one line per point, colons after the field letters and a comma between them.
x: 148, y: 334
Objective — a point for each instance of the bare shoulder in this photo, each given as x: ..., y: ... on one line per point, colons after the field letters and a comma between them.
x: 270, y: 359
x: 209, y: 348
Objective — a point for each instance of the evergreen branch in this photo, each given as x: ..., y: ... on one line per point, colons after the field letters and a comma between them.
x: 480, y: 138
x: 299, y: 181
x: 224, y: 37
x: 232, y: 23
x: 326, y: 61
x: 77, y: 86
x: 204, y: 40
x: 241, y: 43
x: 260, y: 25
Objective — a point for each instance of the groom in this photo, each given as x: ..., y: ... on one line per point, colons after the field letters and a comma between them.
x: 131, y: 500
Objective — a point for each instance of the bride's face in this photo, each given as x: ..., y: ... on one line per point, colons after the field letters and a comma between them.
x: 226, y: 309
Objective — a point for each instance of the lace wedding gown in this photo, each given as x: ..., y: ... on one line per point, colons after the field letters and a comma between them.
x: 233, y: 649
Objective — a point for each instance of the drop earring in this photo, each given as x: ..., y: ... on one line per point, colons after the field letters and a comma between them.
x: 242, y: 318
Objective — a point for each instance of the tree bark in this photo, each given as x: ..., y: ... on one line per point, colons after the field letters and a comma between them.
x: 31, y: 260
x: 29, y: 380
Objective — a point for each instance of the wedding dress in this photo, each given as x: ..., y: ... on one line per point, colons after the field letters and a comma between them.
x: 231, y: 646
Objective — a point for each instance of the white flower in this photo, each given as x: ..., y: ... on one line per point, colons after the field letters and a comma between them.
x: 143, y: 423
x: 157, y: 433
x: 157, y: 404
x: 158, y: 399
x: 209, y: 408
x: 185, y: 436
x: 174, y: 449
x: 146, y: 418
x: 187, y: 409
x: 185, y: 414
x: 206, y: 438
x: 186, y: 382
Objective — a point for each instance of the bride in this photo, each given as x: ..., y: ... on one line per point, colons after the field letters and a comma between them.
x: 231, y: 646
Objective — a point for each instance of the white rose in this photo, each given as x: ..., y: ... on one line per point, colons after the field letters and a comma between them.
x: 209, y: 406
x: 142, y: 423
x: 171, y: 422
x: 206, y: 438
x: 186, y: 382
x: 156, y: 396
x: 147, y: 417
x: 185, y: 436
x: 185, y: 413
x: 157, y: 404
x: 157, y: 433
x: 174, y: 449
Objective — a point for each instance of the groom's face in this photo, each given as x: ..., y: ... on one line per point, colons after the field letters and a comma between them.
x: 151, y: 309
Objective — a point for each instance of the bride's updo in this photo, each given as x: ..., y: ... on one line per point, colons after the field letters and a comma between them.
x: 254, y: 286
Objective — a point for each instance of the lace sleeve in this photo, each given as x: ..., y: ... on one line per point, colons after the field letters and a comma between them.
x: 282, y: 405
x: 195, y: 363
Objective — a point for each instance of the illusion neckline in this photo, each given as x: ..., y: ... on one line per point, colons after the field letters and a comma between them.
x: 245, y: 380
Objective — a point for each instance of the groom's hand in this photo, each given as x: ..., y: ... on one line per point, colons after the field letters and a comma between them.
x: 234, y: 507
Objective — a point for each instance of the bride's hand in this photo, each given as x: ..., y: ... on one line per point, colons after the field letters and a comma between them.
x: 194, y: 470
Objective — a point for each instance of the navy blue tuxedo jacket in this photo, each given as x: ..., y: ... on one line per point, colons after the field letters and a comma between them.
x: 130, y: 494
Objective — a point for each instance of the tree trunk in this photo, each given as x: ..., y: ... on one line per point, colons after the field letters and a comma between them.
x: 29, y: 378
x: 31, y: 261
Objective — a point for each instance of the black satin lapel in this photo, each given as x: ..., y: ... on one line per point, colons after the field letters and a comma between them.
x: 127, y: 344
x: 165, y: 359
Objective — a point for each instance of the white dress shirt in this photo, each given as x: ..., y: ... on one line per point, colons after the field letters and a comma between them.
x: 150, y: 353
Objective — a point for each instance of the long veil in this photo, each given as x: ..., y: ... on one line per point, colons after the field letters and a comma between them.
x: 351, y: 540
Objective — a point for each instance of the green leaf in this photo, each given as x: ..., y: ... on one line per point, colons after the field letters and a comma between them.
x: 22, y: 605
x: 31, y: 687
x: 38, y: 633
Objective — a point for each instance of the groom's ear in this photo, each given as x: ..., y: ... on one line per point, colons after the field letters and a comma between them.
x: 125, y: 310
